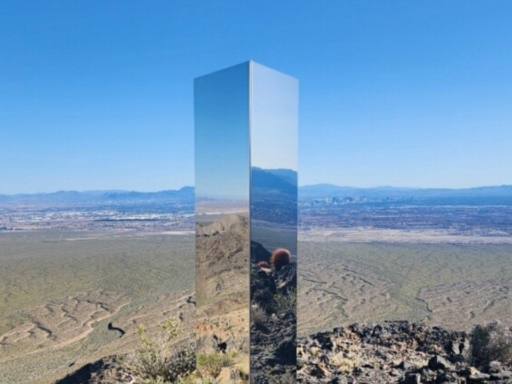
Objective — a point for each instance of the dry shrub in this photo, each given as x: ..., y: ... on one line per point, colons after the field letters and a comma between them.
x: 160, y: 360
x: 210, y: 364
x: 490, y: 342
x: 286, y: 302
x: 346, y: 362
x: 258, y: 317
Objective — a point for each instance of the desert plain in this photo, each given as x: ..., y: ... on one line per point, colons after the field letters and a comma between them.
x: 59, y: 290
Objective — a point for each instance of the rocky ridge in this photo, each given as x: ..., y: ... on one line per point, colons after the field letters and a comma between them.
x: 273, y: 324
x: 107, y: 370
x: 222, y: 286
x: 399, y: 352
x: 392, y: 352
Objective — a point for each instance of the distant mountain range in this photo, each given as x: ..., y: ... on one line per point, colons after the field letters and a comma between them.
x: 330, y: 190
x: 281, y: 180
x: 274, y: 195
x: 184, y: 195
x: 282, y: 173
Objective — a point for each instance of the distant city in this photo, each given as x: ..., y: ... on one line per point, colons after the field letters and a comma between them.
x: 99, y: 211
x: 483, y: 211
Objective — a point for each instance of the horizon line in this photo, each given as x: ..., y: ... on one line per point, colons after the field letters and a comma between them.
x: 116, y: 190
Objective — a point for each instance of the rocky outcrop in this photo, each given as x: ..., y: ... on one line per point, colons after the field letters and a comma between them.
x: 259, y: 253
x: 222, y: 286
x: 106, y: 370
x: 273, y: 324
x: 392, y: 352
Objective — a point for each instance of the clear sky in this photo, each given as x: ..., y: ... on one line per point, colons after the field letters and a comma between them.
x: 221, y: 116
x: 274, y: 119
x: 97, y: 94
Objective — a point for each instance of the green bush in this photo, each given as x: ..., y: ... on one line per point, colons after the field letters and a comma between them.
x: 258, y: 317
x: 212, y: 363
x: 286, y: 302
x: 160, y: 360
x: 287, y: 378
x: 490, y: 342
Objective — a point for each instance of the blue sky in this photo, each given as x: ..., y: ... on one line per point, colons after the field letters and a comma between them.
x: 221, y: 118
x: 99, y: 94
x: 274, y: 119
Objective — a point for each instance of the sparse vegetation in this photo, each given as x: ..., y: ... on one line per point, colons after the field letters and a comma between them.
x: 345, y: 361
x: 48, y: 276
x: 450, y: 284
x: 189, y: 379
x: 210, y: 364
x: 491, y: 342
x: 54, y: 266
x: 286, y: 302
x: 160, y: 360
x: 258, y: 317
x: 287, y: 378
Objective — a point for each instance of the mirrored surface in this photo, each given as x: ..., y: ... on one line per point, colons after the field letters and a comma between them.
x: 221, y: 108
x: 274, y: 121
x: 246, y: 208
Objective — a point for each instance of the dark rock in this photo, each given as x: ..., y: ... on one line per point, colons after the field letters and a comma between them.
x: 273, y: 350
x: 106, y: 370
x: 324, y: 340
x: 286, y: 278
x: 382, y: 354
x: 405, y: 366
x: 457, y: 359
x: 493, y: 367
x: 82, y: 375
x: 501, y: 375
x: 259, y: 379
x: 366, y: 353
x: 286, y: 352
x: 438, y: 362
x: 448, y: 377
x: 478, y: 377
x: 413, y: 378
x: 259, y: 253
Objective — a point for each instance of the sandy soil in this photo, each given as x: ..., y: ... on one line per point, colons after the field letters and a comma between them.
x: 59, y: 292
x: 66, y: 335
x: 452, y: 285
x: 365, y: 235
